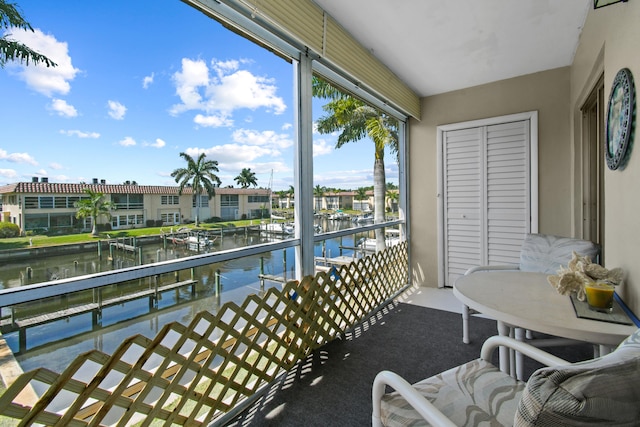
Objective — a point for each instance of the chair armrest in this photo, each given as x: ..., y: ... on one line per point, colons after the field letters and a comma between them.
x: 492, y: 268
x: 527, y: 349
x: 406, y: 390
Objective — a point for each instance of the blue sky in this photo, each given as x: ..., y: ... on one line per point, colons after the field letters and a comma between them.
x: 139, y: 82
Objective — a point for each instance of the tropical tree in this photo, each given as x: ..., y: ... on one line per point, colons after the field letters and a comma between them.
x: 94, y: 207
x: 318, y: 192
x: 290, y: 194
x: 361, y: 194
x: 246, y: 178
x: 392, y: 198
x: 355, y: 121
x: 200, y: 174
x: 12, y: 50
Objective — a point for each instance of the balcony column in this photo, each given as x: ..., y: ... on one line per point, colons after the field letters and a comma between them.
x: 303, y: 166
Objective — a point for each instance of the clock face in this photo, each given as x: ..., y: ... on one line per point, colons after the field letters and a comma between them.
x: 620, y: 119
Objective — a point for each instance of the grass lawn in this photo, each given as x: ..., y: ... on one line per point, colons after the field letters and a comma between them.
x: 44, y: 240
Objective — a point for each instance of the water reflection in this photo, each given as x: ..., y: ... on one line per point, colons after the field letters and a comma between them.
x: 78, y: 334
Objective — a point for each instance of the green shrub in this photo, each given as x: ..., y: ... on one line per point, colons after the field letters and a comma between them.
x: 8, y: 229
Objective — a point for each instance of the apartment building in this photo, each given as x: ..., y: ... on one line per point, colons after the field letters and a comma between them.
x: 41, y: 204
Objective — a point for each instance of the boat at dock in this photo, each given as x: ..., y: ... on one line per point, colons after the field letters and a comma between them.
x: 392, y: 238
x: 278, y: 228
x: 192, y: 240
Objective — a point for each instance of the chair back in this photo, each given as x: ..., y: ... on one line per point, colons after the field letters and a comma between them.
x: 545, y: 253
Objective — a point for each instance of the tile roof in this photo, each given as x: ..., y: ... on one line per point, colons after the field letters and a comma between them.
x: 65, y: 188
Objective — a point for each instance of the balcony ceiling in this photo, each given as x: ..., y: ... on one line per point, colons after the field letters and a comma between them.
x: 440, y: 46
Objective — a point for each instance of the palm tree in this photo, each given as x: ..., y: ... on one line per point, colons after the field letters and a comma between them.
x: 290, y: 194
x: 200, y: 175
x: 246, y: 178
x: 356, y: 120
x: 11, y: 50
x: 392, y: 198
x: 93, y: 207
x: 318, y: 192
x: 361, y: 194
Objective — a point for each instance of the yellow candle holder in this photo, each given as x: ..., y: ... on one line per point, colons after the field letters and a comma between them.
x: 600, y: 296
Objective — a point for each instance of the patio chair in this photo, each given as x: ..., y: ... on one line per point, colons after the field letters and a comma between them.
x: 602, y: 391
x: 541, y: 253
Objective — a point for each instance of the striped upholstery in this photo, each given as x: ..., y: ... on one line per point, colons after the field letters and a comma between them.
x: 545, y: 253
x: 473, y: 394
x: 604, y: 391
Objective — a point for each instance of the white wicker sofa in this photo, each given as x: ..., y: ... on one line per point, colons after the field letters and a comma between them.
x: 602, y: 391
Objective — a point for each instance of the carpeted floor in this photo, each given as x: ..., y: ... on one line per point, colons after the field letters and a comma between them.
x: 333, y: 386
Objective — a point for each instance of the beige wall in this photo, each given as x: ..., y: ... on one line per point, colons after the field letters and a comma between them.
x: 544, y: 92
x: 609, y: 42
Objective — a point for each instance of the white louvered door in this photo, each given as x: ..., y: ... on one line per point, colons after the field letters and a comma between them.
x: 486, y: 195
x: 464, y: 186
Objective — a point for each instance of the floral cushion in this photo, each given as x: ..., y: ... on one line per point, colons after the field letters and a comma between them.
x: 603, y: 391
x: 544, y: 253
x: 474, y: 394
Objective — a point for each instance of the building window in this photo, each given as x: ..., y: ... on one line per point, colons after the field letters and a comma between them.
x: 258, y: 199
x: 333, y: 202
x: 169, y: 200
x: 127, y: 201
x: 229, y: 200
x: 204, y: 202
x: 60, y: 202
x: 36, y: 221
x: 46, y: 202
x: 30, y: 202
x: 71, y: 201
x: 171, y: 218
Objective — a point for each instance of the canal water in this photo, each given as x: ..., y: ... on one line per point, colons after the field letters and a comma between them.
x: 54, y: 345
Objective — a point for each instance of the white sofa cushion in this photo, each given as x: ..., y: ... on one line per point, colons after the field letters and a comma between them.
x: 545, y: 253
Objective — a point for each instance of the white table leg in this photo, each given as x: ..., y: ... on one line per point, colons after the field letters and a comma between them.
x: 520, y: 336
x: 503, y: 329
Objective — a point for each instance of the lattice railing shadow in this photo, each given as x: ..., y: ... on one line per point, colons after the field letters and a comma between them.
x: 190, y: 375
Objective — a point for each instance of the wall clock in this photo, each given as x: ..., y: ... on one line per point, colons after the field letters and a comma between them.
x: 620, y: 120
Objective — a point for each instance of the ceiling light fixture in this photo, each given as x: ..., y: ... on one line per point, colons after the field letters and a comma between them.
x: 602, y: 3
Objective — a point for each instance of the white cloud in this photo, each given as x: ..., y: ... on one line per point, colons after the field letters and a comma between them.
x: 158, y: 144
x: 65, y: 178
x: 55, y: 166
x: 17, y: 157
x: 43, y: 79
x: 194, y: 74
x: 61, y: 108
x: 230, y: 89
x: 80, y: 134
x: 116, y: 110
x: 287, y: 126
x: 321, y: 147
x: 213, y: 121
x: 41, y: 172
x: 225, y: 67
x: 147, y: 81
x: 8, y: 173
x: 231, y: 153
x: 266, y: 138
x: 345, y: 178
x: 127, y: 142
